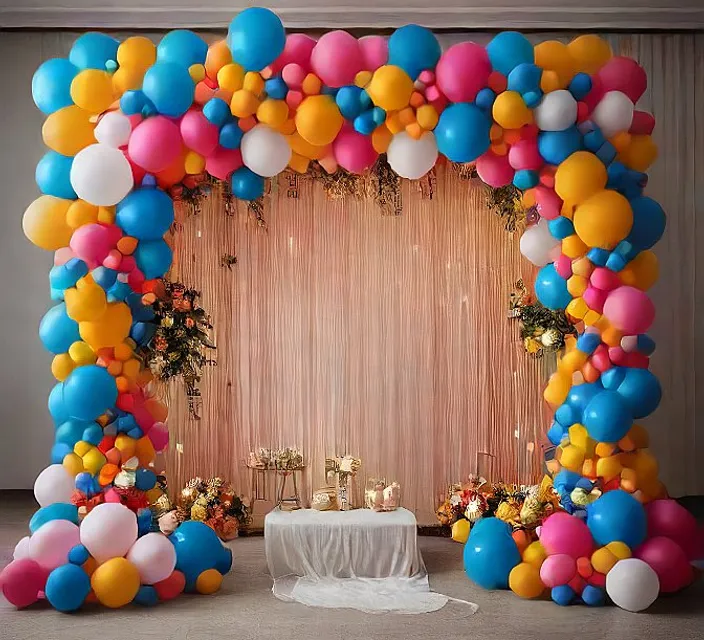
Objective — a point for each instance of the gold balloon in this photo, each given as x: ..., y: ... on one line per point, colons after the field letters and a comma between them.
x: 87, y: 303
x: 68, y: 130
x: 604, y: 219
x: 524, y: 580
x: 110, y: 329
x: 318, y: 120
x: 62, y: 366
x: 510, y: 112
x: 115, y: 582
x: 554, y: 56
x: 640, y: 153
x: 92, y: 90
x: 590, y: 53
x: 391, y: 88
x: 136, y: 52
x: 641, y: 272
x: 44, y: 223
x: 579, y: 177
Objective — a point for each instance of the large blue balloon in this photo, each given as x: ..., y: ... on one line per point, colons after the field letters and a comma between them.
x: 56, y: 405
x: 57, y: 331
x: 67, y: 587
x: 198, y: 549
x: 490, y: 554
x: 89, y: 392
x: 246, y: 185
x: 617, y: 516
x: 580, y: 394
x: 182, y: 47
x: 648, y: 223
x: 145, y: 214
x: 607, y: 417
x: 551, y: 288
x: 92, y: 50
x: 508, y: 49
x: 56, y: 511
x: 638, y: 387
x: 71, y: 431
x: 59, y: 451
x: 462, y: 133
x: 414, y: 49
x: 153, y: 258
x: 53, y: 176
x: 51, y: 85
x: 169, y: 87
x: 557, y: 146
x: 256, y: 38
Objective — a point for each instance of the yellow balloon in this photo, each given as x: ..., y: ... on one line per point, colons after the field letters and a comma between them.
x: 590, y: 53
x: 127, y: 79
x: 390, y: 88
x: 524, y: 580
x: 85, y: 304
x: 68, y: 130
x: 510, y: 112
x: 137, y: 52
x: 61, y: 366
x: 641, y: 272
x: 73, y: 463
x: 110, y: 329
x: 81, y: 212
x: 552, y: 55
x: 306, y: 149
x: 194, y: 163
x: 318, y: 120
x: 93, y: 460
x: 44, y: 223
x: 620, y: 549
x: 230, y: 77
x: 460, y: 530
x: 604, y: 219
x: 208, y: 581
x: 579, y: 177
x: 603, y: 560
x: 535, y: 554
x: 640, y: 153
x: 92, y: 90
x: 557, y: 389
x: 81, y: 353
x: 115, y: 582
x: 273, y: 112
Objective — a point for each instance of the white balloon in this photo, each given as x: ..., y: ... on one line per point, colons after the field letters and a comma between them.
x: 50, y: 544
x: 108, y: 531
x: 101, y: 175
x: 21, y: 549
x: 411, y: 158
x: 54, y: 484
x: 557, y: 111
x: 154, y: 556
x: 632, y: 584
x: 113, y: 129
x: 614, y: 113
x: 538, y: 245
x: 265, y: 151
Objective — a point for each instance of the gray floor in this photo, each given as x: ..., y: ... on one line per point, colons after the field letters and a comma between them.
x: 245, y: 609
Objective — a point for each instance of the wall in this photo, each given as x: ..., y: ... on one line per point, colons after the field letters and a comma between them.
x: 676, y: 97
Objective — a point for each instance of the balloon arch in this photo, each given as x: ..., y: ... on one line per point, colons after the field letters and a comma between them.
x: 127, y: 121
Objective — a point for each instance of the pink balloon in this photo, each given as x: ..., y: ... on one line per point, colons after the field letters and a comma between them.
x: 21, y: 581
x: 629, y: 310
x: 354, y: 151
x: 643, y: 123
x: 375, y: 52
x: 669, y: 561
x: 525, y: 155
x: 155, y: 143
x: 297, y: 50
x: 222, y: 162
x: 62, y: 256
x: 604, y: 279
x: 624, y: 75
x: 50, y: 544
x: 668, y: 518
x: 462, y: 71
x: 93, y: 242
x: 562, y: 533
x: 198, y: 133
x: 600, y: 359
x: 594, y: 298
x: 549, y: 204
x: 494, y: 170
x: 557, y: 570
x: 294, y: 75
x: 617, y: 356
x: 563, y: 266
x: 159, y: 435
x: 336, y: 58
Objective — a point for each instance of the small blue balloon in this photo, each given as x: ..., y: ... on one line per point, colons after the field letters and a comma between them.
x: 525, y: 179
x: 348, y: 101
x: 68, y: 274
x: 580, y: 395
x: 646, y: 344
x: 169, y: 87
x: 414, y: 49
x: 551, y: 288
x: 145, y: 214
x: 580, y: 86
x: 182, y: 47
x: 566, y: 415
x: 93, y: 434
x: 617, y: 516
x: 104, y: 277
x: 490, y: 554
x: 67, y: 587
x: 593, y: 596
x: 92, y: 50
x: 607, y: 417
x: 147, y: 596
x: 145, y: 479
x: 198, y: 549
x: 53, y: 176
x: 640, y: 389
x: 563, y: 595
x: 56, y: 405
x: 133, y: 102
x: 84, y: 483
x: 462, y: 132
x: 78, y: 554
x: 89, y: 392
x: 231, y: 136
x: 153, y: 258
x: 246, y: 185
x: 57, y: 331
x: 217, y: 112
x: 142, y: 332
x: 51, y: 85
x: 509, y: 49
x: 59, y: 451
x: 276, y: 88
x: 525, y: 78
x: 588, y: 342
x: 561, y: 227
x: 648, y: 223
x: 364, y: 123
x: 557, y: 433
x: 119, y: 291
x: 485, y: 99
x: 566, y: 480
x: 256, y: 38
x: 556, y: 146
x: 56, y: 511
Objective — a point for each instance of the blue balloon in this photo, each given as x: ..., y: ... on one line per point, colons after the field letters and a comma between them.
x: 145, y: 479
x: 508, y: 49
x: 593, y: 596
x: 566, y: 415
x: 56, y: 511
x: 490, y: 554
x: 617, y: 516
x: 348, y: 100
x: 59, y: 451
x: 588, y: 342
x: 153, y: 258
x: 557, y: 433
x: 145, y: 214
x: 276, y: 88
x: 462, y: 133
x: 53, y: 176
x: 224, y: 563
x: 566, y: 480
x: 230, y: 135
x: 525, y: 79
x: 485, y: 99
x: 57, y: 407
x: 580, y: 86
x: 133, y: 102
x: 217, y: 111
x: 256, y: 38
x: 104, y: 277
x: 607, y: 417
x: 51, y: 85
x: 89, y: 392
x: 580, y: 395
x: 648, y: 223
x: 182, y: 47
x: 142, y: 332
x: 198, y: 549
x: 551, y: 288
x: 92, y: 434
x: 68, y: 274
x: 561, y: 227
x: 169, y: 87
x: 640, y: 389
x: 414, y: 49
x: 78, y: 555
x: 246, y: 185
x: 93, y: 50
x: 57, y: 331
x: 563, y: 595
x: 556, y: 146
x: 67, y: 587
x: 86, y: 483
x: 147, y: 596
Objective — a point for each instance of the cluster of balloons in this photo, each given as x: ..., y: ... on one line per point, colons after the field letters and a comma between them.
x: 106, y: 560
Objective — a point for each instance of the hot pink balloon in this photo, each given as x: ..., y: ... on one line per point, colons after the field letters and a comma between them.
x: 494, y: 170
x: 337, y: 58
x: 155, y: 143
x: 525, y: 155
x: 670, y: 519
x: 198, y: 133
x: 669, y: 561
x: 462, y: 71
x: 629, y: 310
x: 159, y: 435
x: 93, y: 242
x: 563, y: 266
x: 562, y: 533
x: 354, y: 151
x: 604, y: 279
x: 624, y: 75
x: 222, y: 162
x: 21, y: 581
x: 375, y: 52
x: 294, y: 75
x: 558, y: 569
x: 549, y: 204
x: 298, y: 50
x: 594, y: 298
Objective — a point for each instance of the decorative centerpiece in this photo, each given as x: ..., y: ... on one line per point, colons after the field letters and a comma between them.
x: 325, y: 499
x: 382, y: 497
x: 339, y: 472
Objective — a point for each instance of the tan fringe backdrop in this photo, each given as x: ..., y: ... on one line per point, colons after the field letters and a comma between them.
x: 342, y: 330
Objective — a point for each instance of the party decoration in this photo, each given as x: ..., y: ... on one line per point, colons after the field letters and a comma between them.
x: 632, y: 584
x: 101, y: 175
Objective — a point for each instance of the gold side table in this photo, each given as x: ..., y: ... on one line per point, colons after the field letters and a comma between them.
x: 292, y: 501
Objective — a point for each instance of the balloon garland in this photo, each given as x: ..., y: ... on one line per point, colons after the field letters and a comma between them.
x: 127, y: 121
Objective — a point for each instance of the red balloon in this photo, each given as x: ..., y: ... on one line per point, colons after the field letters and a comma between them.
x: 222, y: 162
x: 21, y: 581
x: 462, y: 71
x: 171, y: 587
x: 494, y: 170
x: 624, y: 75
x: 669, y: 561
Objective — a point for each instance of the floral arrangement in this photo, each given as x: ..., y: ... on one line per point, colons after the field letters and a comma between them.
x: 380, y: 496
x: 287, y: 459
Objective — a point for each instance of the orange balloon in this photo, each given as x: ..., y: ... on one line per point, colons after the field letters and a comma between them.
x: 640, y: 153
x: 110, y: 329
x: 158, y: 410
x: 641, y: 272
x: 68, y: 130
x: 174, y: 173
x: 44, y: 223
x: 218, y: 56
